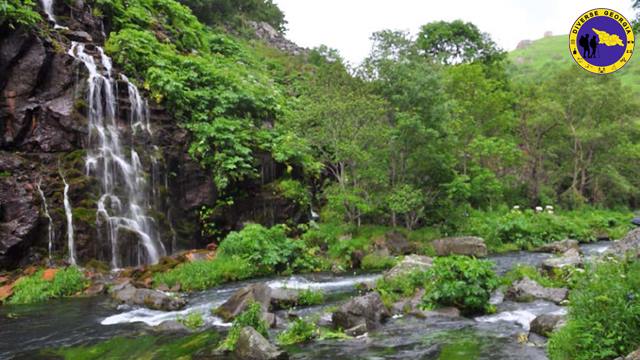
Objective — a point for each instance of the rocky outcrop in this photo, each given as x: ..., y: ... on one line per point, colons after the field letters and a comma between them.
x: 559, y: 246
x: 633, y: 356
x: 629, y: 244
x: 527, y: 290
x: 411, y: 263
x: 569, y: 258
x: 368, y: 310
x: 465, y: 245
x: 393, y: 243
x: 545, y: 324
x: 271, y: 36
x: 241, y: 299
x: 153, y: 299
x: 252, y: 345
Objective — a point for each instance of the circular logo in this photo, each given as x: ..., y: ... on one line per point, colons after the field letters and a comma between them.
x: 601, y: 41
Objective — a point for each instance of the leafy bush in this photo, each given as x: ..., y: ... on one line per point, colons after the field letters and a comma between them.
x: 35, y: 288
x: 299, y: 331
x: 295, y: 191
x: 460, y: 281
x: 393, y: 289
x: 252, y: 316
x: 604, y: 314
x: 200, y: 275
x: 193, y: 321
x: 268, y: 250
x: 18, y: 13
x: 310, y: 297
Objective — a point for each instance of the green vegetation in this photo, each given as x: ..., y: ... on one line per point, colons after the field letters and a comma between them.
x: 376, y: 262
x: 543, y: 57
x: 235, y: 12
x: 521, y: 271
x: 141, y: 347
x: 396, y: 288
x: 193, y: 321
x: 462, y: 282
x: 298, y: 332
x: 529, y: 229
x: 604, y: 314
x: 200, y: 275
x: 309, y: 297
x: 252, y: 316
x: 16, y: 13
x: 34, y: 288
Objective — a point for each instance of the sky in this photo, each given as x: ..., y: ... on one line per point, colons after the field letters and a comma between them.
x: 346, y: 25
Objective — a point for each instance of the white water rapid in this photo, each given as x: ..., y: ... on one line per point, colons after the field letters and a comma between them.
x: 69, y: 214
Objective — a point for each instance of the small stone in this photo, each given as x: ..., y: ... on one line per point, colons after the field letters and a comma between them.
x: 252, y: 345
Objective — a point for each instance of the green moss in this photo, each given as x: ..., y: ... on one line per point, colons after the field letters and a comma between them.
x: 309, y: 297
x: 5, y: 173
x: 84, y: 215
x: 376, y: 262
x: 142, y: 347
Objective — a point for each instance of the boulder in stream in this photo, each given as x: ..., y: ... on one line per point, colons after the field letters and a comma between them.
x: 367, y: 309
x: 252, y: 345
x: 409, y: 264
x: 283, y: 298
x: 545, y: 324
x: 153, y: 299
x: 463, y: 245
x: 630, y: 243
x: 559, y: 247
x: 242, y: 298
x: 569, y: 258
x: 526, y: 290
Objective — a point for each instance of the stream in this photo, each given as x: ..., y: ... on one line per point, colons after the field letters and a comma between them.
x: 28, y: 331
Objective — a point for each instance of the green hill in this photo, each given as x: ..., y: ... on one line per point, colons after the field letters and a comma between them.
x: 542, y: 57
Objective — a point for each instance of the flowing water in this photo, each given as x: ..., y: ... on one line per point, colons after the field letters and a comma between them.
x: 69, y: 214
x: 124, y: 202
x: 45, y: 208
x: 76, y: 322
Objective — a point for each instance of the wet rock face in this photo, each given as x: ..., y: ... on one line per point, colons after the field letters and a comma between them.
x: 545, y: 324
x: 560, y: 246
x: 252, y: 345
x: 465, y: 245
x: 568, y: 259
x: 408, y: 265
x: 629, y: 244
x: 368, y: 310
x: 527, y: 290
x: 241, y: 299
x: 152, y: 299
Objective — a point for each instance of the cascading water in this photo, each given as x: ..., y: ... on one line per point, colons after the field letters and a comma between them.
x: 45, y: 207
x: 125, y: 194
x: 69, y: 214
x: 47, y: 6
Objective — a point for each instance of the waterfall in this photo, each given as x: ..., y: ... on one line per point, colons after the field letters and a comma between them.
x: 45, y: 207
x: 69, y: 214
x: 47, y: 6
x: 124, y: 190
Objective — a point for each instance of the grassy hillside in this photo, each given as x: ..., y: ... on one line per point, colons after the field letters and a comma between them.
x: 544, y: 55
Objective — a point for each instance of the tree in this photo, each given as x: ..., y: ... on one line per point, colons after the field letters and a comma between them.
x: 457, y: 42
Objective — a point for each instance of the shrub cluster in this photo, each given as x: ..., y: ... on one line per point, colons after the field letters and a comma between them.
x: 252, y: 316
x: 604, y: 314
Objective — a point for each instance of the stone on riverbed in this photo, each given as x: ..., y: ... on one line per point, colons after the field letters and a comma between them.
x: 527, y: 290
x: 284, y: 298
x: 252, y: 345
x: 242, y: 298
x: 464, y: 245
x: 545, y: 324
x: 570, y: 257
x: 367, y: 309
x: 630, y: 243
x: 409, y: 264
x: 559, y: 246
x: 128, y: 294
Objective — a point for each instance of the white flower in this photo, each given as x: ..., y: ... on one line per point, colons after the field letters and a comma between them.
x: 516, y: 207
x: 548, y: 207
x: 538, y: 208
x: 549, y: 211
